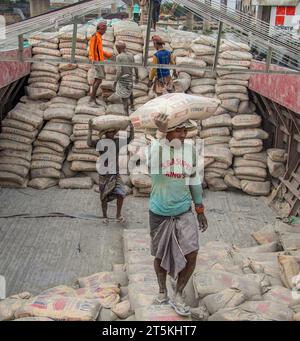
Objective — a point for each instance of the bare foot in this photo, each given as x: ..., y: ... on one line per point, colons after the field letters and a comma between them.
x: 105, y: 221
x: 121, y: 220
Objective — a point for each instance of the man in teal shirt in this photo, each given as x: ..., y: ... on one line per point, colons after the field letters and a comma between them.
x: 176, y: 184
x: 136, y: 13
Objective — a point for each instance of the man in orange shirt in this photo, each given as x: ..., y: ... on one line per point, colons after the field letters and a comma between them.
x: 97, y: 54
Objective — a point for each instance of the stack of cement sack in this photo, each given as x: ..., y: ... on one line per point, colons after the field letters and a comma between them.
x: 232, y: 87
x: 228, y: 284
x: 276, y: 162
x: 51, y: 144
x: 143, y: 285
x: 216, y: 134
x: 19, y: 130
x: 99, y: 297
x: 83, y: 158
x: 44, y: 77
x: 131, y: 34
x: 250, y: 162
x: 74, y: 82
x: 203, y: 49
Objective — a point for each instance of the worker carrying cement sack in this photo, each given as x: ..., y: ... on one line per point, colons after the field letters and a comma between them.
x: 124, y: 79
x: 177, y: 107
x: 111, y: 186
x: 110, y: 122
x: 173, y: 228
x: 161, y: 78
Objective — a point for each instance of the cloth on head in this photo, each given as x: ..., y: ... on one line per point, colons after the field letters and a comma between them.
x: 102, y: 24
x: 172, y: 238
x: 158, y: 39
x: 188, y: 124
x: 121, y: 44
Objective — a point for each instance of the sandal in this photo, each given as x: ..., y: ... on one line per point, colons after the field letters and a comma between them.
x: 161, y: 299
x: 121, y: 220
x: 105, y: 221
x: 181, y: 308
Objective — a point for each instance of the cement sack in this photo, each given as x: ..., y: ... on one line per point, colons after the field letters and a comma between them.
x: 227, y: 82
x: 290, y: 241
x: 202, y: 81
x: 270, y: 247
x: 24, y: 133
x: 227, y: 298
x: 44, y: 68
x: 216, y: 184
x: 16, y: 154
x: 251, y: 178
x: 238, y: 55
x: 203, y: 89
x: 63, y: 67
x: 220, y: 89
x: 253, y: 143
x: 68, y: 45
x: 110, y: 122
x: 81, y: 145
x: 232, y: 182
x: 265, y: 235
x: 234, y: 63
x: 64, y: 100
x: 181, y: 43
x: 233, y: 95
x: 94, y: 176
x: 66, y: 170
x: 54, y: 113
x: 178, y: 107
x: 85, y: 101
x: 261, y: 157
x: 246, y: 150
x: 228, y: 45
x: 202, y: 50
x: 277, y: 155
x: 83, y: 166
x: 86, y: 150
x: 219, y: 131
x: 142, y: 100
x: 40, y: 93
x: 187, y: 61
x: 16, y: 124
x: 44, y: 79
x: 78, y: 52
x: 241, y: 162
x: 182, y: 84
x: 212, y: 282
x: 8, y: 144
x: 13, y: 184
x: 180, y: 53
x: 231, y: 104
x: 276, y: 169
x: 140, y: 180
x: 213, y: 140
x: 246, y: 107
x: 115, y: 109
x: 246, y: 121
x: 51, y: 136
x: 15, y: 169
x: 220, y: 165
x: 45, y: 164
x: 217, y: 121
x: 61, y: 128
x: 14, y: 161
x: 10, y: 305
x: 255, y: 311
x: 255, y: 133
x: 75, y: 85
x: 16, y: 138
x: 82, y: 157
x: 289, y: 269
x: 45, y: 173
x: 72, y: 93
x: 47, y: 151
x: 22, y: 115
x: 221, y: 172
x: 44, y: 85
x: 142, y: 72
x: 88, y: 110
x: 219, y: 154
x: 61, y: 308
x: 280, y: 295
x: 42, y: 183
x: 76, y: 183
x: 233, y: 75
x: 256, y: 188
x: 46, y: 36
x: 205, y: 40
x: 75, y: 73
x: 159, y: 313
x: 73, y: 78
x: 139, y: 93
x: 46, y: 51
x: 123, y: 309
x: 144, y: 87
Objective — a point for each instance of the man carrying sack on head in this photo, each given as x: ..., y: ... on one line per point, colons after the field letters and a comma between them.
x: 161, y: 78
x: 176, y: 185
x: 97, y: 54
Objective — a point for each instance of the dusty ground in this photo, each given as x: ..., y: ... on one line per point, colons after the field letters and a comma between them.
x: 38, y: 253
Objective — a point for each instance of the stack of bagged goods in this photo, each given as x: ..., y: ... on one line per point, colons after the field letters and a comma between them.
x: 74, y: 82
x: 276, y: 162
x: 143, y: 286
x: 216, y: 135
x: 44, y: 77
x: 250, y: 164
x: 131, y: 34
x: 102, y: 296
x: 52, y: 142
x: 232, y: 87
x: 203, y: 49
x: 82, y: 157
x: 19, y: 130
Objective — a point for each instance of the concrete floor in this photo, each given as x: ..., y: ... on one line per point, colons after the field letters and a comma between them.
x: 39, y: 253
